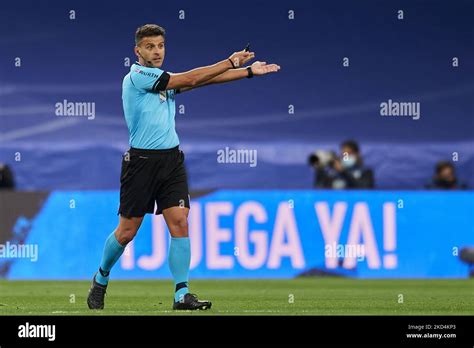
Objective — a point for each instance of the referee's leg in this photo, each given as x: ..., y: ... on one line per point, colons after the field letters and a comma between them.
x: 127, y: 229
x: 179, y: 259
x: 179, y: 255
x: 177, y: 220
x: 115, y: 245
x: 113, y: 249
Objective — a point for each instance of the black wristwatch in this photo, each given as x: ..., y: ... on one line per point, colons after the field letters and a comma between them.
x: 250, y: 72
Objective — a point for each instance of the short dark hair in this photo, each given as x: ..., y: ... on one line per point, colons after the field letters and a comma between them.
x: 148, y: 30
x: 352, y: 144
x: 443, y: 164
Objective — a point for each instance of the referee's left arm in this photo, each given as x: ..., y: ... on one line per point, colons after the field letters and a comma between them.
x: 256, y: 69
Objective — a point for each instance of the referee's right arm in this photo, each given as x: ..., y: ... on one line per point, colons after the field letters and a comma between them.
x: 200, y: 75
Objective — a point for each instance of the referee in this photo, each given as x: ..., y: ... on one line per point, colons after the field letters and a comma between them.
x: 153, y: 169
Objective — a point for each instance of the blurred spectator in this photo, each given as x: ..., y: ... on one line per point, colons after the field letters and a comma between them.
x: 445, y: 178
x: 6, y: 177
x: 346, y: 172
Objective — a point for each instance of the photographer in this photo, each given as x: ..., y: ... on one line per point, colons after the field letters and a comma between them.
x: 7, y: 181
x: 346, y: 172
x: 445, y: 178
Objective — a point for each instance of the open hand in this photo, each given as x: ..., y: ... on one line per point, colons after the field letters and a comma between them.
x: 262, y: 68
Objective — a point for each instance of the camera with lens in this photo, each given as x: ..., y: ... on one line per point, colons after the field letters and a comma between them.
x: 322, y: 158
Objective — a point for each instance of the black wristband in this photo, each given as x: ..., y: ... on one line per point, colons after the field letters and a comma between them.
x: 250, y: 72
x: 231, y: 62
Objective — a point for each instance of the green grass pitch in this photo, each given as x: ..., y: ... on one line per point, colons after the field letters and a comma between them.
x: 309, y: 296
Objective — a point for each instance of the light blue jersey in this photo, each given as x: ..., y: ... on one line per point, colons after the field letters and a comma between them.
x: 149, y: 113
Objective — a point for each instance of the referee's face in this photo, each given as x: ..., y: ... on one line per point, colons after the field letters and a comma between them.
x: 151, y: 51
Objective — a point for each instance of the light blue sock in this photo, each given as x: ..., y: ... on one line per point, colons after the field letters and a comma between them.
x: 179, y: 258
x: 112, y: 252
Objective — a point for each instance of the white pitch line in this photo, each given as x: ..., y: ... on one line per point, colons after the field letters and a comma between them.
x: 38, y: 129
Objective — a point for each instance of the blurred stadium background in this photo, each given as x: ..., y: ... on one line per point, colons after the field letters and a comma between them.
x: 340, y: 60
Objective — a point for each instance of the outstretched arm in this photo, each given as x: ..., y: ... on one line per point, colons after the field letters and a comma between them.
x: 201, y: 75
x: 258, y: 69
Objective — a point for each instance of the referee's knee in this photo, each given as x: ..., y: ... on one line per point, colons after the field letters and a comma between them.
x: 125, y: 235
x: 178, y: 226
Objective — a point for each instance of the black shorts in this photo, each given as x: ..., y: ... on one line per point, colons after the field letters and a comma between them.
x: 150, y: 176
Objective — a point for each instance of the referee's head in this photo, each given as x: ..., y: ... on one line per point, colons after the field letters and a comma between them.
x: 150, y: 45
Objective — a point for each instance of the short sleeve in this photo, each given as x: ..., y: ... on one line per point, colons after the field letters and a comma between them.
x: 149, y: 79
